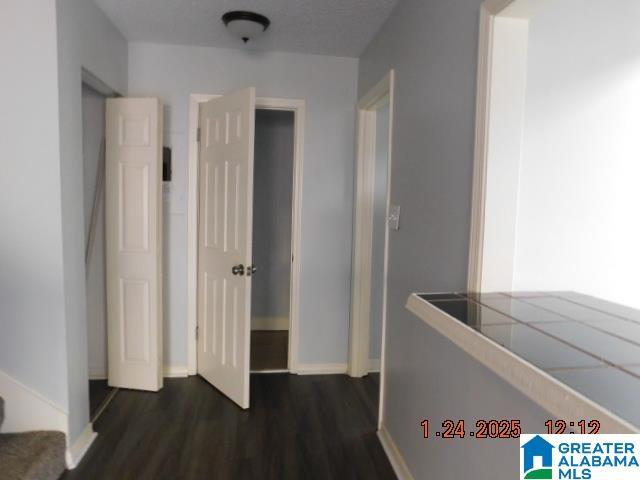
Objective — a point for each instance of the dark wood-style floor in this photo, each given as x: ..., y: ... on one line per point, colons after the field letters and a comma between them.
x: 269, y: 349
x: 298, y: 427
x: 98, y: 393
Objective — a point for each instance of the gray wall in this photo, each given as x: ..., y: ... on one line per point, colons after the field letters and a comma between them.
x: 272, y: 201
x: 44, y: 45
x: 379, y: 227
x: 32, y: 308
x: 328, y: 85
x: 433, y: 46
x: 86, y: 39
x: 433, y: 379
x: 93, y: 129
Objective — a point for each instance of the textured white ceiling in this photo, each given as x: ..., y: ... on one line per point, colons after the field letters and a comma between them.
x: 329, y: 27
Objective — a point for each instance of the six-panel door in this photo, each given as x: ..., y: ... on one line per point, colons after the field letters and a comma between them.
x: 224, y: 242
x: 134, y: 242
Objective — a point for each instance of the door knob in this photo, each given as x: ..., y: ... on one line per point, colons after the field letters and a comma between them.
x: 251, y: 269
x: 237, y: 269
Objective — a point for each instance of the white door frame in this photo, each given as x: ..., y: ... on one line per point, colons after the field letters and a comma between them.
x: 298, y: 108
x: 491, y: 12
x: 363, y: 232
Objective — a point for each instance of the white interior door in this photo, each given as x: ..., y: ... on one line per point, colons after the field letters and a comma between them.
x: 224, y: 242
x: 134, y: 242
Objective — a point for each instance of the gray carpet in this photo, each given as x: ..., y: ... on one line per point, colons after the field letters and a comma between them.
x: 31, y: 455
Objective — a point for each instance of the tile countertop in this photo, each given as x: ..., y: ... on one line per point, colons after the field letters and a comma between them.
x: 575, y: 355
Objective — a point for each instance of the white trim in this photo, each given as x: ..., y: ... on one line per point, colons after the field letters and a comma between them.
x: 489, y: 11
x: 75, y: 452
x: 363, y: 234
x: 552, y: 395
x: 269, y: 323
x: 362, y: 245
x: 321, y: 368
x: 175, y: 372
x: 26, y: 410
x: 298, y: 107
x: 274, y: 370
x: 393, y: 454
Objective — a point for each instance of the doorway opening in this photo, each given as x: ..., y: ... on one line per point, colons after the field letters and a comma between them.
x: 272, y: 221
x: 374, y: 215
x: 94, y: 97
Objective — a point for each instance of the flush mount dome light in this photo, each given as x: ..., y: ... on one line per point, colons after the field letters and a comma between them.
x: 246, y: 25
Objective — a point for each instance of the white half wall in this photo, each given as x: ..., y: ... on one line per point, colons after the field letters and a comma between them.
x: 26, y: 410
x: 328, y: 85
x: 579, y: 196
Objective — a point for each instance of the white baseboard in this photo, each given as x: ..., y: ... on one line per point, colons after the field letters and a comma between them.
x: 26, y: 410
x: 393, y: 454
x: 168, y: 372
x: 321, y: 368
x: 374, y: 365
x: 269, y: 323
x: 175, y: 372
x: 76, y: 451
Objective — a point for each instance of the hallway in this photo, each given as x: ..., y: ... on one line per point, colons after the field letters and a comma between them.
x: 298, y: 427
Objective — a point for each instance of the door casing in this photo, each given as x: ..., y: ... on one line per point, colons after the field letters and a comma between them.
x: 263, y: 103
x: 494, y: 14
x: 363, y: 233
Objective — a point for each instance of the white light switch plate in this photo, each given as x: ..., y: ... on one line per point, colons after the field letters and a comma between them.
x: 394, y: 217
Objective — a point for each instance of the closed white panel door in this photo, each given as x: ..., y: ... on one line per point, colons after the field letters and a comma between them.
x: 224, y: 242
x: 134, y: 242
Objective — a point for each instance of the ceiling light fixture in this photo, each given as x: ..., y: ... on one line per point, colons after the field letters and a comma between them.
x: 246, y: 25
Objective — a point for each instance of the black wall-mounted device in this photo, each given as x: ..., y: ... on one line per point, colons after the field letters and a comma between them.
x: 166, y: 164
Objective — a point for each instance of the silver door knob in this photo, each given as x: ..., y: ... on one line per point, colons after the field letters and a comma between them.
x: 238, y: 270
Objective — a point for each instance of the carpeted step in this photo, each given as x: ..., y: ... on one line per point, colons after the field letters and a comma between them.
x: 32, y: 455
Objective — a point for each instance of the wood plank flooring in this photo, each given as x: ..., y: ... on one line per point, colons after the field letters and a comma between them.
x: 269, y: 349
x: 298, y: 427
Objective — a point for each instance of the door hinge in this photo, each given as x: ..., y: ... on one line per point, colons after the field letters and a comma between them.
x: 198, y: 135
x: 197, y: 332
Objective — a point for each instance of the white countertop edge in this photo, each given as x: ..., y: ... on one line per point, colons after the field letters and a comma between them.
x: 561, y: 401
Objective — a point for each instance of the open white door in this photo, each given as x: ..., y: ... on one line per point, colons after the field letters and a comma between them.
x: 224, y: 242
x: 134, y: 242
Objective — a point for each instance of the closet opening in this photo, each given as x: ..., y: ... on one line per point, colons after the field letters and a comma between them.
x: 272, y: 234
